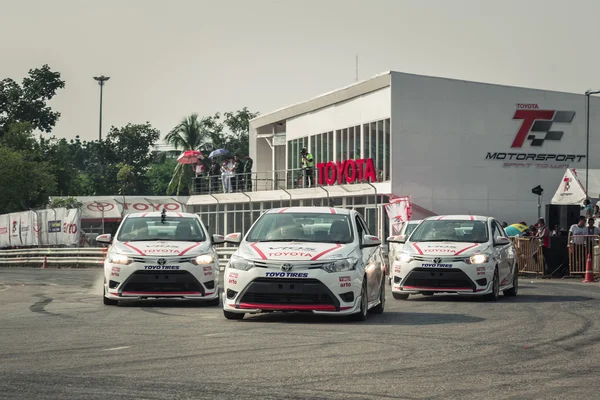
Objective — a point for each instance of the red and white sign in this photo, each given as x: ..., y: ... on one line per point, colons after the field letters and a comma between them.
x: 348, y: 171
x: 116, y: 207
x: 398, y: 211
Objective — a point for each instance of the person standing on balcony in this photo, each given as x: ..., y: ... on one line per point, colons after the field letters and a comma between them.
x: 308, y: 165
x: 213, y: 176
x: 248, y: 172
x: 238, y: 180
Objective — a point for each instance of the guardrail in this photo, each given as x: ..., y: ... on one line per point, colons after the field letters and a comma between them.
x: 74, y: 257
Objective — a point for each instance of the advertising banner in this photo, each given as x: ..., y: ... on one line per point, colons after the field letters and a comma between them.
x: 4, y: 231
x: 71, y: 227
x: 26, y: 228
x: 116, y: 207
x: 398, y: 211
x: 14, y: 229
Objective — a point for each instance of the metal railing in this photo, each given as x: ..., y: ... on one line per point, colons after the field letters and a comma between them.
x: 579, y: 248
x: 74, y: 257
x: 263, y: 181
x: 530, y: 258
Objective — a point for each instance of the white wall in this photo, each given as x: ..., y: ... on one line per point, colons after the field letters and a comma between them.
x: 442, y: 130
x: 366, y: 108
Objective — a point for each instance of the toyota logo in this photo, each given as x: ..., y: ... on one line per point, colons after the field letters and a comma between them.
x: 161, y: 261
x: 100, y: 206
x: 287, y: 267
x: 437, y: 260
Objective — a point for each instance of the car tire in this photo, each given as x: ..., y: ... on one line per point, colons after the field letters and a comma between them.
x: 495, y: 288
x: 515, y: 289
x: 379, y: 308
x: 398, y: 296
x: 233, y: 315
x: 361, y: 315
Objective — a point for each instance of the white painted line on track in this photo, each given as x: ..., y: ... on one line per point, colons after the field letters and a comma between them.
x: 117, y: 348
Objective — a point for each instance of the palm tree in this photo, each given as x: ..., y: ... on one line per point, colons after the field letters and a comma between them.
x: 189, y: 134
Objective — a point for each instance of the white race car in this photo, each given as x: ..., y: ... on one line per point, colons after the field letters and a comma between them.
x: 161, y: 255
x: 394, y: 247
x: 312, y: 259
x: 469, y: 255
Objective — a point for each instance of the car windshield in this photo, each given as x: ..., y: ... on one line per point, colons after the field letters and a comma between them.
x: 152, y: 228
x: 302, y: 227
x: 410, y: 228
x: 450, y: 231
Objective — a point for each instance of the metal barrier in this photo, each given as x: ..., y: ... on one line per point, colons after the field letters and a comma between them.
x: 74, y: 257
x: 579, y: 248
x: 529, y: 255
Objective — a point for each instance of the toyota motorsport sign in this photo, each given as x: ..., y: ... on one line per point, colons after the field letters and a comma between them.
x: 538, y: 127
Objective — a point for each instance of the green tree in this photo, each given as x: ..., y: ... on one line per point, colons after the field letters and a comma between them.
x: 190, y: 134
x: 238, y: 124
x: 28, y: 102
x: 159, y: 175
x: 66, y: 202
x: 25, y: 184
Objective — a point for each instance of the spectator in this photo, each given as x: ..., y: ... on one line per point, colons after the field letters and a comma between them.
x: 596, y: 211
x: 544, y: 235
x: 248, y: 172
x: 214, y: 173
x: 504, y: 225
x: 577, y: 242
x: 587, y: 207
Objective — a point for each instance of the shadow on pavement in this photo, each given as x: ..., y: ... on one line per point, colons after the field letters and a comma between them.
x: 166, y: 303
x: 387, y: 318
x: 503, y: 299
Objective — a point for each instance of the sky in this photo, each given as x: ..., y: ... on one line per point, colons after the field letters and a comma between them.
x: 168, y: 59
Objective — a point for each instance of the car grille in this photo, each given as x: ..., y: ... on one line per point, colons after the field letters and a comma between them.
x: 297, y: 265
x: 444, y: 259
x: 154, y: 259
x: 438, y: 278
x: 288, y: 292
x: 162, y: 282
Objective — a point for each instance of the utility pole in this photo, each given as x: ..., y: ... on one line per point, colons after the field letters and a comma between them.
x: 101, y: 79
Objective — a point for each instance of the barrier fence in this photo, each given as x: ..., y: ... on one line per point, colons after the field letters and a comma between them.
x: 74, y: 257
x: 530, y: 258
x: 579, y: 248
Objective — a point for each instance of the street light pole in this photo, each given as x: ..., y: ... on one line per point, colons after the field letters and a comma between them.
x: 588, y: 93
x: 101, y: 79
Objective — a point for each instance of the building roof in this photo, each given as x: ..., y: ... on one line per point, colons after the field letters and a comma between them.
x: 348, y: 92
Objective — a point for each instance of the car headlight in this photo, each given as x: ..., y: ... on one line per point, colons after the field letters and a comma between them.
x: 240, y: 263
x: 346, y: 264
x: 404, y: 257
x: 477, y: 259
x: 119, y: 259
x: 203, y: 259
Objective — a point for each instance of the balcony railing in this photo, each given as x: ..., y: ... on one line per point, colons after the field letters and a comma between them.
x: 261, y: 181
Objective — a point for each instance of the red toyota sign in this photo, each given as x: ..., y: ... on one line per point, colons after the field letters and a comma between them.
x: 348, y: 171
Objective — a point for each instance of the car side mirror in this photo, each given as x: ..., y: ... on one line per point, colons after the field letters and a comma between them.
x: 104, y: 238
x: 218, y: 239
x: 234, y: 238
x: 370, y: 241
x: 501, y: 241
x: 397, y: 239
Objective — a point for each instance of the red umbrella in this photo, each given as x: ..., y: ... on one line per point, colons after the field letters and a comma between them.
x: 190, y: 157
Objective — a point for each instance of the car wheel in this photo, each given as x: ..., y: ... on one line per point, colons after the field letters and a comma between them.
x: 495, y: 288
x: 515, y: 289
x: 107, y: 301
x: 233, y: 315
x: 398, y: 296
x: 361, y: 315
x: 378, y: 309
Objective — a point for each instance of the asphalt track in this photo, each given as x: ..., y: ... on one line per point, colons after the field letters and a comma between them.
x: 58, y: 341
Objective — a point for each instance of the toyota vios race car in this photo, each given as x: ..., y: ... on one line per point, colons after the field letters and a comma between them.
x: 455, y: 254
x: 312, y: 259
x: 161, y: 255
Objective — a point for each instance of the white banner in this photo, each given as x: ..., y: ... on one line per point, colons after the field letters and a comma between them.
x: 71, y: 227
x: 14, y: 229
x: 119, y: 206
x: 26, y: 228
x: 4, y: 231
x: 51, y: 226
x: 398, y: 211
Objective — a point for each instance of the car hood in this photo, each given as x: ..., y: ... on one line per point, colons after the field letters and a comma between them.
x: 295, y: 251
x: 162, y: 248
x: 445, y: 248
